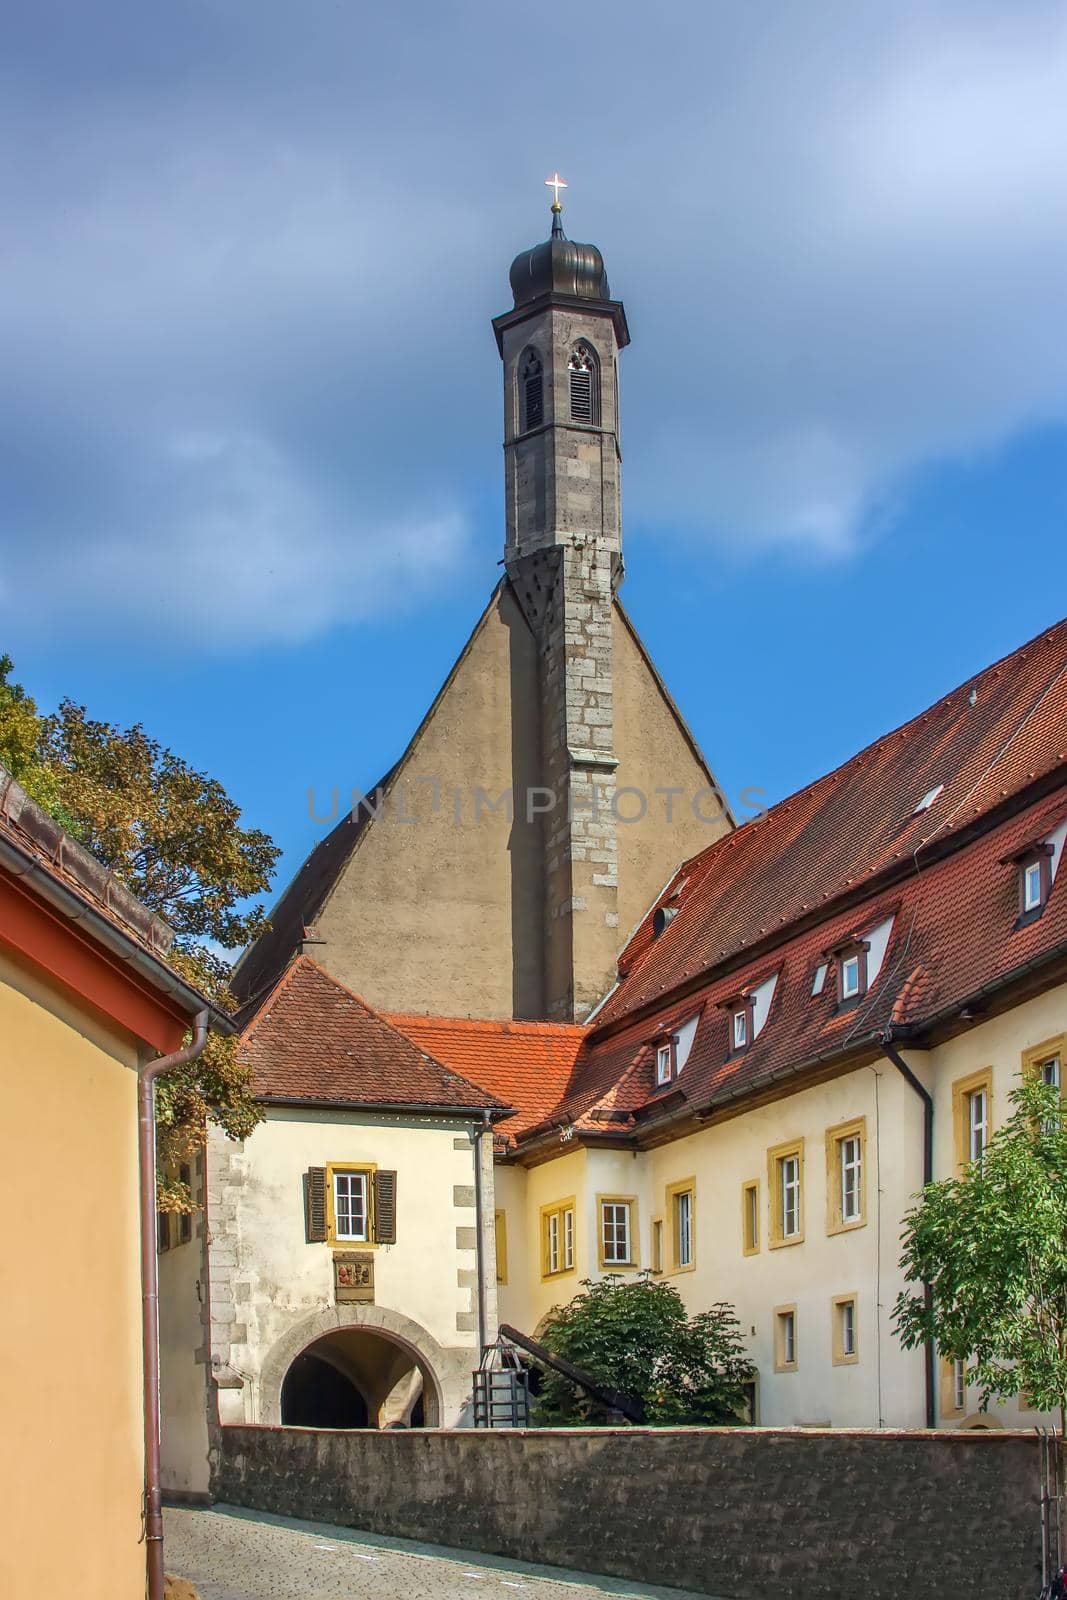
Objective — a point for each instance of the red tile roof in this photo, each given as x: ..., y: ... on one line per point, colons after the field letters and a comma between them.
x: 791, y: 886
x: 845, y: 829
x: 315, y: 1040
x: 529, y: 1065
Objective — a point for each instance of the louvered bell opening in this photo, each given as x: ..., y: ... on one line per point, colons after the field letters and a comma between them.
x: 581, y: 397
x: 535, y: 402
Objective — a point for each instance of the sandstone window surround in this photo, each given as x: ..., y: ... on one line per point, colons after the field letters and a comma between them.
x: 846, y: 1176
x: 557, y: 1238
x: 617, y: 1232
x: 785, y: 1177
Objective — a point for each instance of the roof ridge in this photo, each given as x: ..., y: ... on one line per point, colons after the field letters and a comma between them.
x: 743, y: 829
x: 510, y: 1024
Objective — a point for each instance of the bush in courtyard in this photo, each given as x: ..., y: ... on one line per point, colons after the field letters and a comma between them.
x: 634, y: 1336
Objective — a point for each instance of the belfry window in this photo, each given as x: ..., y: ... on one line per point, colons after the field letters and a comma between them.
x: 532, y: 390
x: 585, y: 385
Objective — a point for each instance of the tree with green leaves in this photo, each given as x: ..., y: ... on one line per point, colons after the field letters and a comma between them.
x: 173, y: 836
x: 992, y: 1246
x: 634, y: 1335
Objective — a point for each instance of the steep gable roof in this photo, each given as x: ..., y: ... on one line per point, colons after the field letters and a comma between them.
x: 529, y: 1065
x: 314, y: 1040
x: 846, y: 829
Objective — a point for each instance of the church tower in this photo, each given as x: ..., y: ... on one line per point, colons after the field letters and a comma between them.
x: 552, y: 788
x: 563, y: 556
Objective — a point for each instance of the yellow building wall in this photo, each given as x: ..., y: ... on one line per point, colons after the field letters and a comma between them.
x: 884, y: 1385
x: 71, y: 1468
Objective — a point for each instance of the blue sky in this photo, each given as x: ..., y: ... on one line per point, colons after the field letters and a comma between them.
x: 250, y: 484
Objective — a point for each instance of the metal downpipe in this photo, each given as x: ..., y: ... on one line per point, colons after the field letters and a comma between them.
x: 146, y: 1144
x: 893, y: 1055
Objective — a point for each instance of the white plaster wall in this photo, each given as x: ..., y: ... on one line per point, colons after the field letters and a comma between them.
x: 277, y: 1278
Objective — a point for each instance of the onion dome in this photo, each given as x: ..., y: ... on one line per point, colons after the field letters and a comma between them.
x: 559, y: 266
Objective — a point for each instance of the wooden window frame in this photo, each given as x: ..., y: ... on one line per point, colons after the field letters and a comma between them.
x: 185, y: 1218
x: 558, y: 1208
x: 780, y: 1363
x: 343, y: 1241
x: 750, y: 1247
x: 948, y: 1406
x: 962, y: 1090
x: 1040, y: 856
x: 673, y: 1190
x: 776, y: 1238
x: 163, y: 1232
x: 1034, y: 1058
x: 656, y: 1243
x: 857, y: 950
x: 629, y: 1200
x: 836, y: 1222
x: 840, y: 1357
x: 500, y: 1230
x: 671, y: 1046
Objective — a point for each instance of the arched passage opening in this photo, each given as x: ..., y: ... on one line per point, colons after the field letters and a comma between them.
x: 357, y: 1378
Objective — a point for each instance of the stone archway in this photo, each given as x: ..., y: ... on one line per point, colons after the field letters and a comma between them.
x: 423, y: 1349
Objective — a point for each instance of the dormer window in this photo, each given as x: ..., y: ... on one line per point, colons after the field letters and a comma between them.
x: 852, y: 977
x: 665, y: 1058
x: 741, y: 1021
x: 1034, y: 867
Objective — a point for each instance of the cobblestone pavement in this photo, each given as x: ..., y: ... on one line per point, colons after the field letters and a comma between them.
x: 245, y: 1555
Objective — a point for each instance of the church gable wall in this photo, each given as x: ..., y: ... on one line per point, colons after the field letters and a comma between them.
x: 439, y: 908
x: 654, y: 754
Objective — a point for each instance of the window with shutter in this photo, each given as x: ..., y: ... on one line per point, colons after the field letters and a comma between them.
x: 533, y: 391
x: 585, y: 385
x: 316, y: 1205
x: 385, y: 1207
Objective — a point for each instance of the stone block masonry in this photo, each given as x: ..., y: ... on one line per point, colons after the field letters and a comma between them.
x: 731, y: 1512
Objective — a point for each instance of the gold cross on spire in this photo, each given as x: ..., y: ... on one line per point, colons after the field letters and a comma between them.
x: 555, y: 183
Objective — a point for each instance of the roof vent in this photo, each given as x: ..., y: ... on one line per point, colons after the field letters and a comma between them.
x: 661, y: 917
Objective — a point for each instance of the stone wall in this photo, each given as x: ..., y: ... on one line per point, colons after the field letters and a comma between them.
x: 818, y: 1515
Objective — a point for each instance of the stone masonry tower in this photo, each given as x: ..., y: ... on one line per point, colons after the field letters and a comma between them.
x: 563, y: 557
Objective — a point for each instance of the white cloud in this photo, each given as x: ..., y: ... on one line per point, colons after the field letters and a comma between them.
x: 248, y: 384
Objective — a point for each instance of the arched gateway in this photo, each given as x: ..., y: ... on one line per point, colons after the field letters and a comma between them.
x: 358, y: 1366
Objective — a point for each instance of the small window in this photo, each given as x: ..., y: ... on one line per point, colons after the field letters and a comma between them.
x: 501, y: 1231
x: 845, y: 1150
x: 657, y: 1245
x: 680, y: 1200
x: 785, y: 1339
x: 616, y: 1232
x: 185, y: 1219
x: 959, y: 1385
x: 1050, y: 1072
x: 584, y: 385
x: 1035, y: 881
x: 750, y: 1218
x: 532, y: 386
x: 953, y: 1387
x: 845, y: 1345
x: 163, y: 1230
x: 351, y: 1211
x: 785, y: 1172
x: 664, y: 1063
x: 740, y: 1029
x: 557, y: 1238
x: 851, y: 977
x: 972, y: 1106
x: 741, y: 1014
x: 977, y: 1123
x: 819, y: 981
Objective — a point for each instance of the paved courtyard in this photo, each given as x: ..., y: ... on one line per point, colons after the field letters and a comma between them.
x: 243, y: 1555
